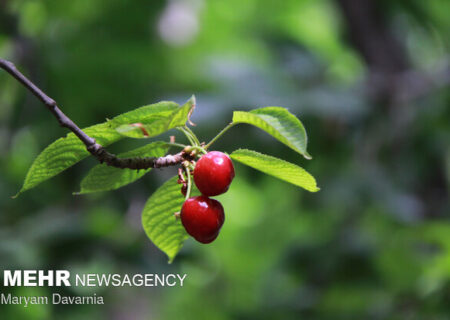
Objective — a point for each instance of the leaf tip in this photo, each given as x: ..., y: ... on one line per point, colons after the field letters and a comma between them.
x: 307, y: 156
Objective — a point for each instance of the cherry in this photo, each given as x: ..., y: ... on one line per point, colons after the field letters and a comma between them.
x: 202, y: 218
x: 213, y: 173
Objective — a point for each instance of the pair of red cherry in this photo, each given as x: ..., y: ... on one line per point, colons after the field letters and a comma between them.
x: 202, y: 217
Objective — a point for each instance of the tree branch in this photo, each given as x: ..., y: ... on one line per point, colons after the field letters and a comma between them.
x: 92, y: 146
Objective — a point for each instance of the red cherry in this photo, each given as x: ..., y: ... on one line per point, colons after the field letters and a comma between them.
x: 202, y: 218
x: 213, y: 173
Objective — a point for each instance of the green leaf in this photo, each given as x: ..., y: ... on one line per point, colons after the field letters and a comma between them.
x: 67, y: 151
x: 157, y: 123
x: 145, y: 113
x: 158, y: 219
x: 104, y: 178
x: 279, y: 123
x: 278, y: 168
x: 64, y: 153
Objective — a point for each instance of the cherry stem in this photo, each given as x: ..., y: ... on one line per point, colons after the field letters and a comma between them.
x: 196, y: 141
x: 173, y: 144
x: 219, y: 135
x: 188, y: 135
x: 202, y: 150
x: 189, y: 182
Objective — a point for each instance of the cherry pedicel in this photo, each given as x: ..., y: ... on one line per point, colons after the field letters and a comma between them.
x: 213, y: 173
x: 202, y: 218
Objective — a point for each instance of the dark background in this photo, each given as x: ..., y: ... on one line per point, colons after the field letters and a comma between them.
x: 369, y: 80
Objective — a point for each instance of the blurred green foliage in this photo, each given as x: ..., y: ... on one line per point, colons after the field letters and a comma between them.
x: 374, y: 243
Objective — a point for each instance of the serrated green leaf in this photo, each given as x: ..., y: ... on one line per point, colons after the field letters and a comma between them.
x: 144, y: 113
x: 279, y: 123
x: 158, y: 219
x: 158, y: 123
x: 152, y: 127
x: 67, y: 151
x: 64, y: 153
x: 278, y: 168
x: 104, y: 178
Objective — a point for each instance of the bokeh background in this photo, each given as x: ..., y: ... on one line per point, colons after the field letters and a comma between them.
x: 368, y: 78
